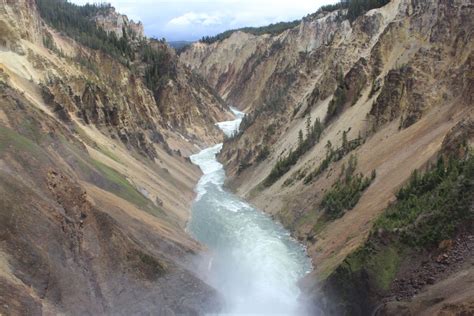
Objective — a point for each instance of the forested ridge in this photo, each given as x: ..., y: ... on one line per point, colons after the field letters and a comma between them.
x: 78, y: 23
x: 355, y: 8
x: 273, y: 29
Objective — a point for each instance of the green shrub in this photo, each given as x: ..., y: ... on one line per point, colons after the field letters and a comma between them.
x: 263, y: 154
x: 334, y: 155
x: 356, y: 8
x: 161, y: 66
x: 346, y: 192
x: 431, y: 206
x: 313, y: 134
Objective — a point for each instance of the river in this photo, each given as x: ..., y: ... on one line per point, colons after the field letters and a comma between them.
x: 255, y: 263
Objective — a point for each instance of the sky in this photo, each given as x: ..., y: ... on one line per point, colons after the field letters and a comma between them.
x: 191, y: 19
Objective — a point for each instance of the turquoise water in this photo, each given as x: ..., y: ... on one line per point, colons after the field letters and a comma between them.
x: 255, y: 263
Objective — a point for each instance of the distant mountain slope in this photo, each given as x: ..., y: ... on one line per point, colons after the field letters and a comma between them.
x: 272, y: 29
x: 179, y: 44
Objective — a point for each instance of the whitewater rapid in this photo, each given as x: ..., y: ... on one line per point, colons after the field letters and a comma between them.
x: 255, y: 263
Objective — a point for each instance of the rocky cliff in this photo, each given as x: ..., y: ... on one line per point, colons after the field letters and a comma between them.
x: 112, y: 21
x: 95, y: 181
x: 338, y: 108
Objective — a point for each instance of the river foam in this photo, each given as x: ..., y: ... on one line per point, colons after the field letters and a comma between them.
x: 255, y: 263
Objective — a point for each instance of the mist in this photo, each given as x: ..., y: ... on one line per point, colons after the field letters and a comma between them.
x: 254, y: 264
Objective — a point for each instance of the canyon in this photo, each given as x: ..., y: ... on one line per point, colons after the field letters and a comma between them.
x: 106, y: 184
x: 382, y: 94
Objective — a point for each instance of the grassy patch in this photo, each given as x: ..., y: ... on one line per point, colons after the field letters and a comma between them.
x: 9, y: 137
x: 84, y: 136
x: 380, y: 262
x: 320, y: 224
x: 89, y: 141
x: 110, y: 180
x: 385, y: 266
x: 145, y: 265
x: 109, y: 154
x: 125, y: 190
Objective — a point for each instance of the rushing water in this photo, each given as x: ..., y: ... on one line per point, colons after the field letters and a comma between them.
x: 255, y: 263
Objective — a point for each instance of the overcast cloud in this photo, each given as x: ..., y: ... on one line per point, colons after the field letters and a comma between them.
x: 192, y: 19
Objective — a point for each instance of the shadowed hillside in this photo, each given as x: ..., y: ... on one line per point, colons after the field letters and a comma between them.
x: 96, y: 125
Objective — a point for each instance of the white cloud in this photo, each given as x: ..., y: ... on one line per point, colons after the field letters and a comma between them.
x: 193, y: 18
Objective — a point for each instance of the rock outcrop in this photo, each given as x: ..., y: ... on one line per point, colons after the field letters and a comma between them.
x: 112, y: 21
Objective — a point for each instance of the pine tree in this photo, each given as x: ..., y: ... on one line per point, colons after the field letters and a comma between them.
x: 328, y: 149
x: 300, y: 140
x: 308, y: 126
x: 317, y: 129
x: 344, y: 141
